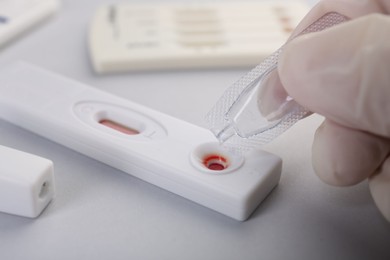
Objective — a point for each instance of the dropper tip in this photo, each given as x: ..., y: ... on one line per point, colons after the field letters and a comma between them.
x: 225, y: 134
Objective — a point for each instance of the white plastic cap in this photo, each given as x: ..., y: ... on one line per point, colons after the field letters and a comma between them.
x: 26, y: 182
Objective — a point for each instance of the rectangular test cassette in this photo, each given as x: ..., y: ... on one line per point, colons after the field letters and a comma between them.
x: 127, y: 36
x: 170, y: 153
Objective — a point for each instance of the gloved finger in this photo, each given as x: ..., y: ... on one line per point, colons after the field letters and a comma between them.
x: 344, y: 156
x: 351, y: 9
x: 342, y: 73
x: 379, y: 185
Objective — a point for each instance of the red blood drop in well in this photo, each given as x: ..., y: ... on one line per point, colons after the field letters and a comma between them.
x: 215, y: 162
x: 216, y: 167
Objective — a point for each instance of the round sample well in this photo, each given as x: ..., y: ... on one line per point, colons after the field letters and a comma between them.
x: 213, y: 158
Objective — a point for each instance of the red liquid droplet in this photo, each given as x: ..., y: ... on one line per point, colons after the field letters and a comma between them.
x: 215, y: 162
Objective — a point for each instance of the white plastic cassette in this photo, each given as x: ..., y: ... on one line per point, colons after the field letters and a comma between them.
x: 172, y: 154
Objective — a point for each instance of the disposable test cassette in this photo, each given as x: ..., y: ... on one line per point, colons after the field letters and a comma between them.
x: 130, y: 36
x: 172, y: 154
x: 18, y: 16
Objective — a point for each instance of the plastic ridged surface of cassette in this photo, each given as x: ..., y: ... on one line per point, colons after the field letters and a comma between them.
x: 236, y: 119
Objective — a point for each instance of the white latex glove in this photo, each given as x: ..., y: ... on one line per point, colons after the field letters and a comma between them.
x: 343, y: 73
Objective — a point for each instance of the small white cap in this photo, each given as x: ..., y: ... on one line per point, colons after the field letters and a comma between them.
x: 26, y: 182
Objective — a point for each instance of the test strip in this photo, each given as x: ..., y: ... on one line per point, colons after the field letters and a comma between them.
x: 119, y: 127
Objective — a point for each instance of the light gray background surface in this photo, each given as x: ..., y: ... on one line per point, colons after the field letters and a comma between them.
x: 102, y: 213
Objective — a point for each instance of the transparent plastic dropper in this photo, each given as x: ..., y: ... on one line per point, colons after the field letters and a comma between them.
x: 245, y: 118
x: 237, y: 119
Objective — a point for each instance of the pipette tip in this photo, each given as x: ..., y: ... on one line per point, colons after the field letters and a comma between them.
x: 225, y: 134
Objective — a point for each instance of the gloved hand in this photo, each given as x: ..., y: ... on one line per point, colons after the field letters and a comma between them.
x: 343, y: 73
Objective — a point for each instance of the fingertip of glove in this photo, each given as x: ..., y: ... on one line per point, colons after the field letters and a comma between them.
x: 343, y: 156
